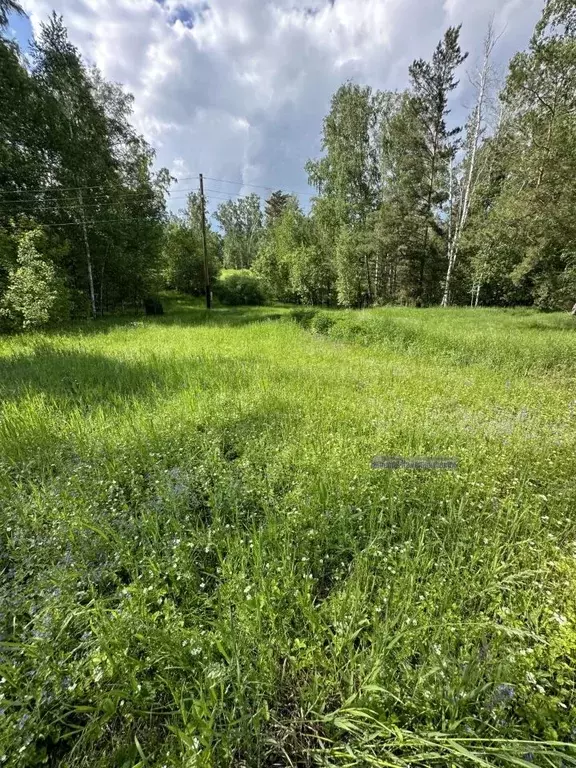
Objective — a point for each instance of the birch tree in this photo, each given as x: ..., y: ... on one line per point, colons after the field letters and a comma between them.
x: 476, y: 128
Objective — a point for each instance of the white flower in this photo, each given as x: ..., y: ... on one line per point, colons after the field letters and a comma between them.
x: 559, y: 618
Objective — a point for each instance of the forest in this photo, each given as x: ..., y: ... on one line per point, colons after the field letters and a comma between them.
x: 408, y: 208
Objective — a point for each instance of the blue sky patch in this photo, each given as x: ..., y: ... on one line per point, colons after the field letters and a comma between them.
x: 20, y: 29
x: 187, y: 16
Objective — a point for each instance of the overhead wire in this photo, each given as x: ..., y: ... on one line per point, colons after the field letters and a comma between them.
x: 53, y: 202
x: 56, y: 190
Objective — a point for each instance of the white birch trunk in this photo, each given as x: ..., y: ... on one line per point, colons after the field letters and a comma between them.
x: 471, y: 177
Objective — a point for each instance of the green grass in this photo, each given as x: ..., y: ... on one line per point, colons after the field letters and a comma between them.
x: 200, y: 568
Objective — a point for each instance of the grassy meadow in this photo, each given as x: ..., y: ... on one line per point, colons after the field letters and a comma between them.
x: 200, y: 568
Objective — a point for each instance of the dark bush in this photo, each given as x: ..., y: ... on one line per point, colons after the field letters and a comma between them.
x: 152, y: 306
x: 303, y: 317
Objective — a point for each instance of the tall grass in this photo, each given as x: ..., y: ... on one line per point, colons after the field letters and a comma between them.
x: 200, y: 568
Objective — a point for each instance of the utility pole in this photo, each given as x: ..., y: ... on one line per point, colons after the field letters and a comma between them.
x: 206, y: 271
x: 86, y: 241
x: 88, y: 257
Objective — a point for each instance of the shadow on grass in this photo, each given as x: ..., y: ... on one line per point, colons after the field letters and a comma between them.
x: 562, y: 324
x: 74, y: 378
x: 233, y: 316
x: 177, y: 313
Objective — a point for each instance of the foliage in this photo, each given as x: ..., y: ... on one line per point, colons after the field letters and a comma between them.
x: 183, y: 252
x: 36, y: 294
x: 523, y: 229
x: 382, y: 184
x: 241, y: 221
x: 408, y: 213
x: 291, y: 263
x: 240, y: 287
x: 275, y: 206
x: 71, y: 161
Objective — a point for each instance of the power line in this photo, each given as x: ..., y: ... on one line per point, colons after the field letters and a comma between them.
x: 58, y: 204
x: 245, y: 184
x: 89, y: 223
x: 54, y: 192
x: 56, y: 189
x: 258, y: 186
x: 127, y: 193
x: 54, y: 206
x: 227, y: 195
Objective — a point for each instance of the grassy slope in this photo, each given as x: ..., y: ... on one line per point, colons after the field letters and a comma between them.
x: 200, y: 567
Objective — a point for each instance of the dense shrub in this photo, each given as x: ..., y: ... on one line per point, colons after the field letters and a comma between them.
x: 322, y: 322
x: 303, y: 317
x: 240, y: 287
x: 183, y: 259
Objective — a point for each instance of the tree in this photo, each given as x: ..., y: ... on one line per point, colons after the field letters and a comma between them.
x: 432, y: 82
x: 530, y: 221
x: 399, y: 223
x: 283, y: 234
x: 275, y: 206
x: 475, y: 131
x: 23, y: 135
x: 241, y: 221
x: 183, y: 252
x: 348, y: 176
x: 183, y: 259
x: 68, y: 156
x: 291, y: 261
x: 36, y: 294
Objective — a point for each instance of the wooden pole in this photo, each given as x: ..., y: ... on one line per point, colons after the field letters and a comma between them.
x: 206, y: 270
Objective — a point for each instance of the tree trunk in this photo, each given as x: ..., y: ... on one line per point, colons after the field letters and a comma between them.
x: 446, y: 295
x: 471, y: 179
x: 88, y: 256
x: 368, y: 280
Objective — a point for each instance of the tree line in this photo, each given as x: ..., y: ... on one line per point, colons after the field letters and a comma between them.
x: 413, y: 209
x: 82, y: 212
x: 408, y: 208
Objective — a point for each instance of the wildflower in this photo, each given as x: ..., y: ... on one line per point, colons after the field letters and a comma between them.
x: 559, y: 618
x: 503, y: 693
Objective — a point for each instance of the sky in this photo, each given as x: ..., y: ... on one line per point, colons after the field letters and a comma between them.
x: 237, y: 89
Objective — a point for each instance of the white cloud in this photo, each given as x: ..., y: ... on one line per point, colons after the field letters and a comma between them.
x: 237, y: 89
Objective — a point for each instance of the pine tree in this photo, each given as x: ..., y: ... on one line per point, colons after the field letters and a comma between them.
x: 275, y: 206
x: 435, y: 145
